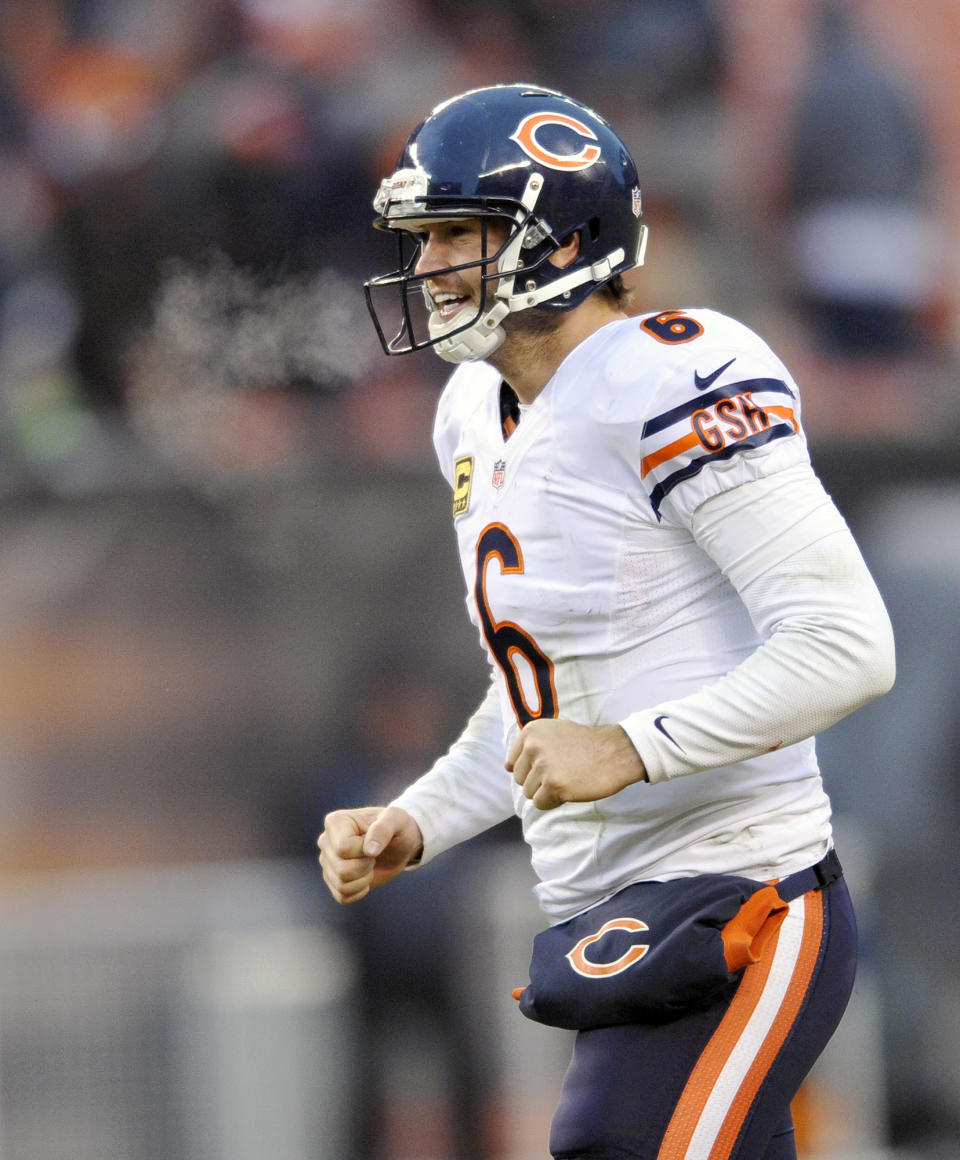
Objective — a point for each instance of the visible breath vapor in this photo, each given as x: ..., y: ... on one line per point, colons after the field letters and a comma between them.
x: 241, y: 331
x: 226, y: 380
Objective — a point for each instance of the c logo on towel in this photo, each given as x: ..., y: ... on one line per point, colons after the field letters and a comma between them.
x: 591, y: 970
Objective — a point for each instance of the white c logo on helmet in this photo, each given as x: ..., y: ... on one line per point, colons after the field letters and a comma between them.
x: 525, y: 136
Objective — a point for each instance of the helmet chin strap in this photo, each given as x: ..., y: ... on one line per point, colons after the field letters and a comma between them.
x: 485, y: 335
x: 478, y: 341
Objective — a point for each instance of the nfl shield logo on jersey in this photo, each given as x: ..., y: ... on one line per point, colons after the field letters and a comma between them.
x: 499, y: 473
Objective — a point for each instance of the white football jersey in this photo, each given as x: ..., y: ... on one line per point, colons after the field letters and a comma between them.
x: 594, y: 602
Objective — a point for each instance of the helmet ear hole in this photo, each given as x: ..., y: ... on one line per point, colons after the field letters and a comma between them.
x: 593, y: 225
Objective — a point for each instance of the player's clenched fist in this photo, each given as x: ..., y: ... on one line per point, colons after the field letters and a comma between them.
x: 558, y: 761
x: 366, y: 847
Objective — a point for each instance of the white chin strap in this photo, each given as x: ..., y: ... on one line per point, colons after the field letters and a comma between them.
x: 484, y: 336
x: 478, y: 341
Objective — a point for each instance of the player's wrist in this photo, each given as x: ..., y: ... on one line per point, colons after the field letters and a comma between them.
x: 416, y: 843
x: 628, y: 761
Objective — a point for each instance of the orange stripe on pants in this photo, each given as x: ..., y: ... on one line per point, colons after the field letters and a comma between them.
x: 715, y: 1057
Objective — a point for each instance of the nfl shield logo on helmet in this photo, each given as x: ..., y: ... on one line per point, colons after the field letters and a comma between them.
x: 636, y: 201
x: 499, y: 473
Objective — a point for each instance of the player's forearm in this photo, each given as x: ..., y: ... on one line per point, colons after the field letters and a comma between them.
x: 827, y: 643
x: 467, y: 790
x: 799, y: 683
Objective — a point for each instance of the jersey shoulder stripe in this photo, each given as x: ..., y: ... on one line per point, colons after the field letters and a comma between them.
x: 667, y: 419
x: 694, y: 466
x: 678, y: 443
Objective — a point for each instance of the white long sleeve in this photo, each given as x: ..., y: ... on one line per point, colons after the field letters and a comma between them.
x: 466, y: 791
x: 827, y: 644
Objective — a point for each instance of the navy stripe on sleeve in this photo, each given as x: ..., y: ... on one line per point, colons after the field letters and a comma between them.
x: 695, y: 466
x: 700, y: 402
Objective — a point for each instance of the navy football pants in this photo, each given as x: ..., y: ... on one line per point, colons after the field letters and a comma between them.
x: 716, y: 1083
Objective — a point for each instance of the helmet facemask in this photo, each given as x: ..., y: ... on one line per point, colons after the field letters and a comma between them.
x: 403, y: 298
x: 471, y: 334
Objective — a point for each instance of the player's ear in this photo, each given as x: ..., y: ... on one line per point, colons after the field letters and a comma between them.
x: 567, y: 252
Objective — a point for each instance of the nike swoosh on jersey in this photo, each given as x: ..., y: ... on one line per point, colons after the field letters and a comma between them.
x: 658, y: 724
x: 702, y: 383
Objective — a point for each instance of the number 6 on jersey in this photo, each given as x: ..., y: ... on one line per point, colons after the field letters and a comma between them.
x: 507, y: 640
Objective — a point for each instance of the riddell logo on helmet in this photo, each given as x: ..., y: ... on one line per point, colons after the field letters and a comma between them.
x: 526, y: 132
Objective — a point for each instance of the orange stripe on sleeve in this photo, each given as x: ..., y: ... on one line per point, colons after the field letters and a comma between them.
x: 655, y: 458
x: 784, y: 413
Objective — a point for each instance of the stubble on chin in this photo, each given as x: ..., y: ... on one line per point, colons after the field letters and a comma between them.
x: 530, y: 336
x: 531, y: 323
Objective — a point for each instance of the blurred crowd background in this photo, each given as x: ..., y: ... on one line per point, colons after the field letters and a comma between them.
x: 229, y: 597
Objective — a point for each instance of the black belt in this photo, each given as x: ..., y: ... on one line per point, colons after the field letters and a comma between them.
x: 827, y: 870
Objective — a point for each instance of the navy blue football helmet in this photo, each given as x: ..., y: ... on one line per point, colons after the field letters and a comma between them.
x: 547, y: 164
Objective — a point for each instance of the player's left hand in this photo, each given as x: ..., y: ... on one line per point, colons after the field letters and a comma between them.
x: 559, y: 761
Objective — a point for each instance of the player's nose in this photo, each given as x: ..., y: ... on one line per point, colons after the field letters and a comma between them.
x: 430, y: 257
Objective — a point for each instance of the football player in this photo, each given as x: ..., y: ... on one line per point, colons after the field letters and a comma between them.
x: 671, y: 607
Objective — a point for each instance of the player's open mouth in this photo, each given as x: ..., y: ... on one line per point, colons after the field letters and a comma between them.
x: 449, y: 305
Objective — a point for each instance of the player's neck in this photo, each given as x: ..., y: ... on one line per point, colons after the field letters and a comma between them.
x: 528, y: 361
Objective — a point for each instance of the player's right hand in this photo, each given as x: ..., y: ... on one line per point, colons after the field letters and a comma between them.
x: 366, y: 847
